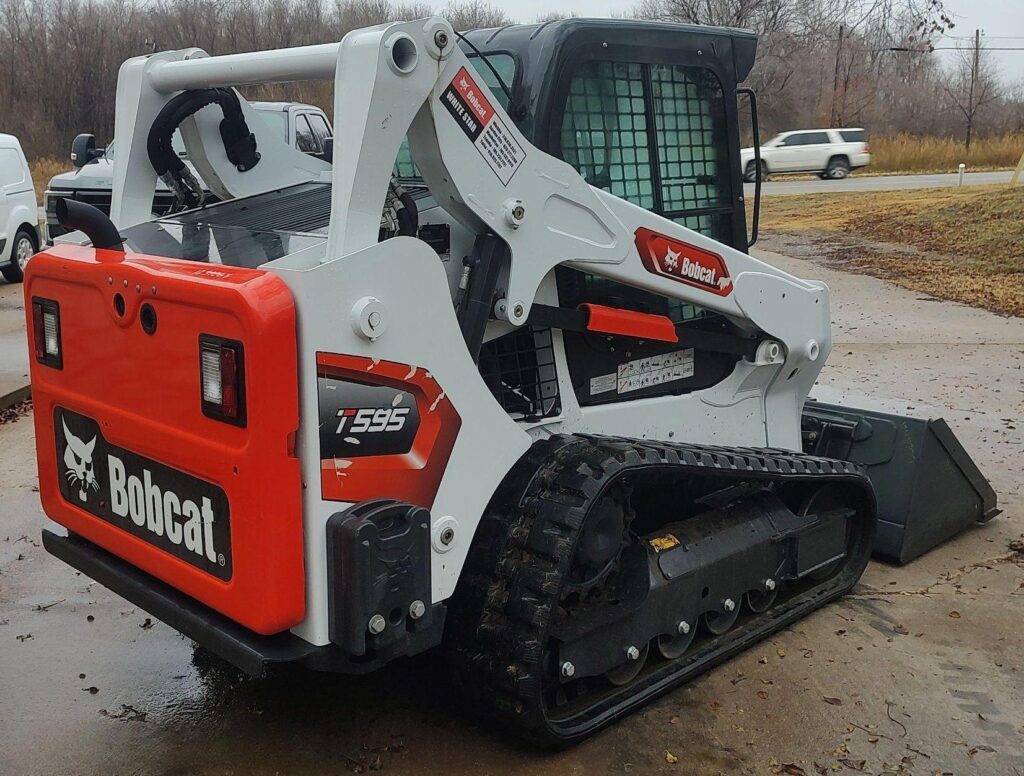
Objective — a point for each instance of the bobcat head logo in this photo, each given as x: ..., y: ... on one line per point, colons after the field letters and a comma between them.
x: 78, y: 459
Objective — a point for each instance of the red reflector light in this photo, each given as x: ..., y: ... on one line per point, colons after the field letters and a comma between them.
x: 221, y: 379
x: 46, y: 332
x: 229, y: 382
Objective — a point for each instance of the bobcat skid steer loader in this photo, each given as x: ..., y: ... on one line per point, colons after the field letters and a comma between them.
x: 522, y: 391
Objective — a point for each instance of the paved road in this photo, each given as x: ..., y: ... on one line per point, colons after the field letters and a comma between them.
x: 920, y: 659
x: 856, y: 182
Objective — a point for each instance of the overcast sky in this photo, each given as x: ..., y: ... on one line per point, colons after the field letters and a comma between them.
x: 1002, y: 22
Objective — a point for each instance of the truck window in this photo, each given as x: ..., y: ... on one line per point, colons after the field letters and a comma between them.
x: 815, y: 138
x: 278, y: 121
x: 320, y: 129
x: 11, y: 172
x: 305, y: 140
x: 853, y: 135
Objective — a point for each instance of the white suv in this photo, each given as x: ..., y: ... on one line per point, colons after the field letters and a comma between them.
x: 19, y: 237
x: 831, y: 153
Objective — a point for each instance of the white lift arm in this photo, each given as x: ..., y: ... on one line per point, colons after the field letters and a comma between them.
x: 412, y: 79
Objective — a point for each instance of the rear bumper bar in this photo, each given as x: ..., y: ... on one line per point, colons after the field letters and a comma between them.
x: 248, y: 651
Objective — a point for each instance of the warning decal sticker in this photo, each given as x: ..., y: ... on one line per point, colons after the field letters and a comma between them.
x: 656, y: 370
x: 471, y: 109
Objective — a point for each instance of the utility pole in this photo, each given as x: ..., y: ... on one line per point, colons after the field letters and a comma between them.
x: 833, y: 118
x: 970, y: 98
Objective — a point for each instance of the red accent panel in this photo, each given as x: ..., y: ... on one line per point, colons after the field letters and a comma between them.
x: 144, y: 391
x: 413, y: 476
x: 474, y: 96
x: 682, y: 262
x: 628, y: 323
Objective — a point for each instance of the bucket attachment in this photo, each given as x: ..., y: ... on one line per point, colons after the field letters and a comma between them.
x: 927, y: 486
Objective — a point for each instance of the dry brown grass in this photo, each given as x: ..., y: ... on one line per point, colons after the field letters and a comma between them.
x: 44, y: 169
x: 967, y: 243
x: 912, y: 153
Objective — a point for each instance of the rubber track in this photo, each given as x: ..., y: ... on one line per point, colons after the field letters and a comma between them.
x: 501, y: 612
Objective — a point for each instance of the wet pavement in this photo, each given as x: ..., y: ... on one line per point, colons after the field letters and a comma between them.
x: 920, y: 669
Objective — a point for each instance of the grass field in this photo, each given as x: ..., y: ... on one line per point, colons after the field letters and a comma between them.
x: 44, y: 169
x: 911, y: 153
x: 964, y: 244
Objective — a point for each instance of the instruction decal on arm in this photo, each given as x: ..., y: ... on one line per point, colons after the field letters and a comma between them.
x: 471, y: 109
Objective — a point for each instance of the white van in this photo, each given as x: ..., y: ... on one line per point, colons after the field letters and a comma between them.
x: 19, y: 235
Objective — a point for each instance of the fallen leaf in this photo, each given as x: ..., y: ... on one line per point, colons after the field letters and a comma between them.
x: 24, y: 637
x: 146, y: 624
x: 793, y: 769
x: 854, y: 765
x: 780, y: 652
x: 91, y: 690
x: 832, y: 701
x: 670, y: 758
x: 673, y: 719
x: 955, y: 615
x: 763, y: 661
x: 762, y: 695
x: 979, y: 748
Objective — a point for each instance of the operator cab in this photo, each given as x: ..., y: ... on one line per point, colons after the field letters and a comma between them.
x: 648, y: 112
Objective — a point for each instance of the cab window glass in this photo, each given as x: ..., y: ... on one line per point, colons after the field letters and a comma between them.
x: 815, y: 138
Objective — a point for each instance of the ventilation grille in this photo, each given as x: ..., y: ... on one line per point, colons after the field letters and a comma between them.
x: 519, y: 370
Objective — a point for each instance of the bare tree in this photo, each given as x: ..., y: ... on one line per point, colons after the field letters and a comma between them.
x: 974, y: 85
x: 475, y: 15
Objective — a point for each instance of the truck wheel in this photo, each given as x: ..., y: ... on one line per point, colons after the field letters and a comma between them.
x: 23, y: 249
x: 838, y: 168
x: 750, y: 173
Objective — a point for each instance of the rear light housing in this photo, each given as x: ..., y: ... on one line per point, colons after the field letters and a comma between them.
x: 46, y: 332
x: 222, y: 379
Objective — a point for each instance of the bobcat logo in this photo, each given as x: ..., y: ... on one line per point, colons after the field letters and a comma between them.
x: 78, y: 459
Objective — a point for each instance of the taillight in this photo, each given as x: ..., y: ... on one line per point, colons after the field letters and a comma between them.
x: 866, y: 149
x: 222, y: 379
x: 46, y: 332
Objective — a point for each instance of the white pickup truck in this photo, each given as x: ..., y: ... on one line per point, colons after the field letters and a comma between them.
x: 304, y: 126
x: 831, y: 153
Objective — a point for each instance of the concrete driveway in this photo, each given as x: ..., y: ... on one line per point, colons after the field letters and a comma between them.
x: 918, y: 672
x: 13, y: 344
x: 862, y: 182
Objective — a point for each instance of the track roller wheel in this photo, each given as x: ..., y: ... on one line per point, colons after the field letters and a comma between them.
x: 629, y: 670
x: 670, y: 647
x: 718, y: 621
x: 761, y: 600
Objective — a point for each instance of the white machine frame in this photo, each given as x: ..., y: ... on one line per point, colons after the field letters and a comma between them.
x: 390, y: 81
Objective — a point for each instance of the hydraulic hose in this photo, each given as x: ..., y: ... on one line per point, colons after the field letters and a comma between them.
x: 239, y: 142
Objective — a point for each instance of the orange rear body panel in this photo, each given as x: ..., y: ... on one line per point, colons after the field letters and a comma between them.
x: 143, y: 390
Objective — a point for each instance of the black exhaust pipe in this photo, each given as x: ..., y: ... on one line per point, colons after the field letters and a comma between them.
x: 93, y: 222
